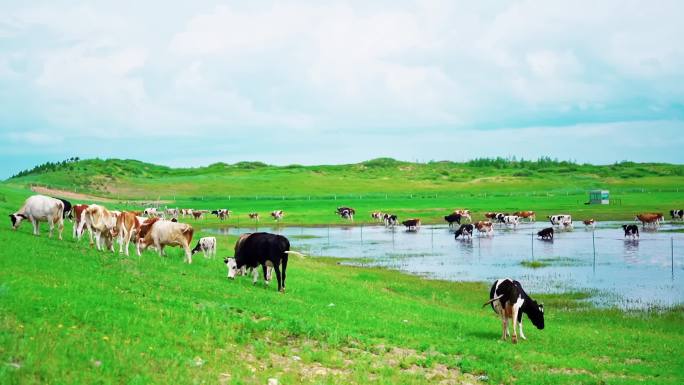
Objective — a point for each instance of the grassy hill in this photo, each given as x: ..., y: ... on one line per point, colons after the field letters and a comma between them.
x: 309, y: 194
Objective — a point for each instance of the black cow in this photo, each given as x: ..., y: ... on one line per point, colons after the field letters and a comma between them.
x: 411, y: 224
x: 67, y: 209
x: 263, y: 249
x: 631, y: 231
x: 677, y: 214
x: 465, y: 230
x: 546, y: 233
x: 509, y: 300
x: 451, y: 218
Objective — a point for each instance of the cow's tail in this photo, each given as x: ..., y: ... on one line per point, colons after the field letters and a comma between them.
x: 492, y: 300
x: 296, y: 253
x: 188, y: 232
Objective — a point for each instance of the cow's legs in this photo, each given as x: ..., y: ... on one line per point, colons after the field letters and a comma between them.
x: 504, y: 327
x: 188, y: 253
x: 516, y: 309
x: 60, y: 227
x: 284, y: 262
x: 264, y: 269
x: 36, y: 226
x: 522, y: 335
x: 255, y: 275
x: 279, y: 277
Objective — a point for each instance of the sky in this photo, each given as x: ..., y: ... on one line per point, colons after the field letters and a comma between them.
x: 313, y: 82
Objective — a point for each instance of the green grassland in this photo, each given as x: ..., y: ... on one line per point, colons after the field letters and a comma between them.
x: 70, y: 314
x: 309, y: 194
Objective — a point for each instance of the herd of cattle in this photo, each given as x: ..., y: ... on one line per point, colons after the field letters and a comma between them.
x: 149, y: 228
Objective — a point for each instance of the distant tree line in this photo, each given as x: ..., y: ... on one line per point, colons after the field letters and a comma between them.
x: 46, y: 167
x: 513, y: 162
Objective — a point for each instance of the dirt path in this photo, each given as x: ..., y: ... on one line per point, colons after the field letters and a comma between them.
x: 70, y: 195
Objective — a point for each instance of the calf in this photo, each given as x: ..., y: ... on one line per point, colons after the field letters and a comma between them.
x: 463, y: 213
x: 465, y: 230
x: 263, y: 249
x: 677, y: 214
x: 589, y: 223
x: 411, y: 224
x: 546, y: 234
x: 39, y: 208
x: 253, y: 271
x: 631, y: 231
x: 509, y: 301
x: 254, y: 216
x: 205, y: 245
x: 77, y: 211
x: 451, y: 218
x: 377, y: 215
x: 277, y: 215
x: 162, y: 233
x: 484, y: 227
x: 561, y: 220
x: 127, y: 225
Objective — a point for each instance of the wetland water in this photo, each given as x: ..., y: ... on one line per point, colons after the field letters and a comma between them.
x: 625, y: 273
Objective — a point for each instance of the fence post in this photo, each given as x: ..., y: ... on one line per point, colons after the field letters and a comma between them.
x: 672, y: 255
x: 362, y: 233
x: 593, y: 246
x: 532, y: 243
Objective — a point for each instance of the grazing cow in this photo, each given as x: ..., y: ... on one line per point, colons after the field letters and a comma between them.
x: 511, y: 220
x: 561, y: 220
x: 254, y: 216
x: 206, y: 245
x: 589, y: 223
x: 677, y: 214
x: 263, y: 249
x: 173, y: 213
x: 650, y: 219
x: 101, y: 222
x: 253, y: 271
x: 127, y: 225
x: 463, y: 213
x: 529, y: 215
x: 38, y: 208
x: 162, y: 233
x: 377, y: 215
x: 411, y: 224
x: 451, y: 218
x: 484, y: 227
x: 77, y: 211
x: 185, y: 212
x: 631, y: 231
x: 197, y: 214
x: 390, y: 220
x: 491, y: 215
x: 465, y: 230
x: 546, y: 234
x: 67, y: 209
x: 277, y: 215
x: 509, y: 301
x: 346, y: 212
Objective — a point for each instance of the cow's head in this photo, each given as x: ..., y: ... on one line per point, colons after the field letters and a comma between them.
x: 16, y: 220
x: 536, y: 314
x: 231, y: 264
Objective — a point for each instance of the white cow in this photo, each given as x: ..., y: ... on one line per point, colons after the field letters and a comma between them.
x: 561, y: 220
x: 511, y: 220
x: 39, y: 208
x: 206, y: 245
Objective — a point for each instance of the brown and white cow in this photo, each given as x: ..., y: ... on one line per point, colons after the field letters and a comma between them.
x: 529, y: 215
x: 650, y: 219
x: 377, y: 215
x: 254, y: 216
x: 277, y: 215
x: 589, y: 223
x: 163, y: 233
x: 101, y: 222
x: 491, y: 215
x: 77, y: 212
x: 484, y: 227
x: 127, y: 225
x: 464, y: 213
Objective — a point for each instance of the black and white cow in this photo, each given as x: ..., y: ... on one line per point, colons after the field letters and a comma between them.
x: 390, y: 220
x: 499, y: 217
x: 631, y: 231
x: 346, y: 212
x: 222, y: 214
x: 453, y: 218
x: 207, y: 245
x: 677, y: 214
x: 261, y: 249
x: 466, y: 231
x: 561, y: 220
x: 509, y: 301
x: 512, y: 220
x: 277, y: 215
x: 546, y: 234
x: 67, y: 209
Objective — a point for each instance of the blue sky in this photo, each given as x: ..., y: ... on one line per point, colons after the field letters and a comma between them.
x: 342, y: 81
